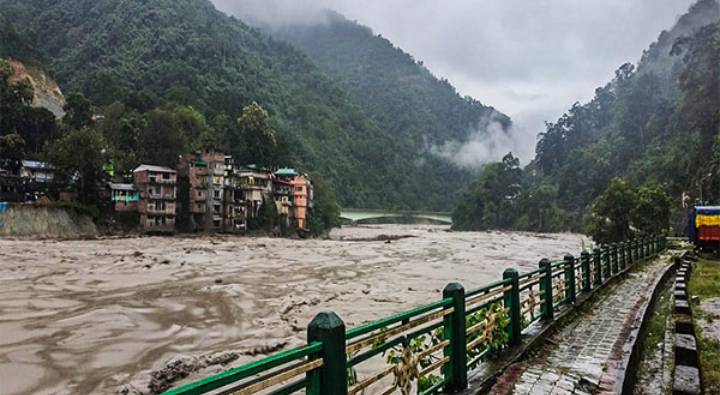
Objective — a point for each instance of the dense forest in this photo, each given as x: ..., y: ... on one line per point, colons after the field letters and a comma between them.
x: 419, y: 110
x: 156, y: 63
x: 653, y: 131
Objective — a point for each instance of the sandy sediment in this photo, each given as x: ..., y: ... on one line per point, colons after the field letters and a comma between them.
x: 100, y: 316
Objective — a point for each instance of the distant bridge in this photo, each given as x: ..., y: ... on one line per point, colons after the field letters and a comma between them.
x: 360, y: 215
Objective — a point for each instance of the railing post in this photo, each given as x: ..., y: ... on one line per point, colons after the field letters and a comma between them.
x: 636, y: 250
x: 546, y: 289
x: 454, y: 330
x: 512, y: 302
x: 569, y: 278
x: 628, y: 252
x: 597, y: 266
x: 615, y: 258
x: 657, y: 245
x: 652, y: 245
x: 642, y: 249
x: 585, y: 263
x: 331, y: 378
x: 623, y: 261
x: 606, y: 262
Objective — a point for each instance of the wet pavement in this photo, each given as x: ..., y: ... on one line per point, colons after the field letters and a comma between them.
x: 100, y: 316
x: 585, y: 356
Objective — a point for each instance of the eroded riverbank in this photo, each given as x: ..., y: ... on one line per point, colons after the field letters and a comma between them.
x: 98, y: 316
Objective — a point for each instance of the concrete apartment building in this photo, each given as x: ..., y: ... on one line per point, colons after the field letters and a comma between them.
x: 201, y: 184
x: 256, y: 187
x: 124, y: 197
x: 157, y: 196
x: 301, y: 197
x: 234, y: 206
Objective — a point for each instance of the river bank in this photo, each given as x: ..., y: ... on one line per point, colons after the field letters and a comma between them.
x: 100, y: 316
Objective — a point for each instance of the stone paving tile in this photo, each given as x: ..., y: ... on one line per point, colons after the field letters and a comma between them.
x: 580, y: 358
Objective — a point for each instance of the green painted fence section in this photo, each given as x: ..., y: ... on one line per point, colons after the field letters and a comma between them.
x: 430, y: 348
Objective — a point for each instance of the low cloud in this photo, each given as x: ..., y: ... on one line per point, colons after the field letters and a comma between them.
x: 489, y: 142
x: 275, y: 14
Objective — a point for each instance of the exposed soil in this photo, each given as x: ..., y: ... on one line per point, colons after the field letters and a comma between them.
x: 138, y: 315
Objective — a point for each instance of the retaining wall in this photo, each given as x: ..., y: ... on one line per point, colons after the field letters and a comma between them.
x: 21, y: 220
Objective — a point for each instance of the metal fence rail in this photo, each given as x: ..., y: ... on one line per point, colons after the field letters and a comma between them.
x: 430, y: 348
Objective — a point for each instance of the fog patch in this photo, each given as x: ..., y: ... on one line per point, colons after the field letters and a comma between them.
x: 275, y: 14
x: 487, y: 143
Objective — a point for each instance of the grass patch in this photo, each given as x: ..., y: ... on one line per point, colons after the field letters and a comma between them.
x: 657, y: 326
x: 705, y: 283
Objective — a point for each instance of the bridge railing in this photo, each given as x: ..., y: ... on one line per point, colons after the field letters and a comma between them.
x: 430, y: 348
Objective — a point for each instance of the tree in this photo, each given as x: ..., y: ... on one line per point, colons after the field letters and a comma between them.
x: 491, y: 201
x: 325, y: 214
x: 612, y: 212
x: 162, y: 139
x: 540, y: 205
x: 651, y: 214
x: 12, y: 146
x: 15, y: 98
x: 193, y: 125
x: 254, y: 140
x: 81, y: 152
x: 78, y: 111
x: 266, y: 218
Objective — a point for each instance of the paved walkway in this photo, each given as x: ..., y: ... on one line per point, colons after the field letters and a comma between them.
x: 586, y: 355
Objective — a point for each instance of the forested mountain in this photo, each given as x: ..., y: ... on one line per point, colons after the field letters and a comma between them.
x: 198, y: 68
x: 655, y: 124
x: 418, y: 109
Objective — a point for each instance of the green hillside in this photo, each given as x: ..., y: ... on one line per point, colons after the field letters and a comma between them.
x: 655, y: 124
x: 397, y: 92
x: 175, y: 54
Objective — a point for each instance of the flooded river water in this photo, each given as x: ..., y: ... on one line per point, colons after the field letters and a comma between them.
x: 98, y: 316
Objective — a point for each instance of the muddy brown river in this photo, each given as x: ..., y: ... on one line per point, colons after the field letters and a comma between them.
x: 99, y: 316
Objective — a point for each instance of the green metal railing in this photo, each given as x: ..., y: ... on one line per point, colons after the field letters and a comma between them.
x: 430, y: 348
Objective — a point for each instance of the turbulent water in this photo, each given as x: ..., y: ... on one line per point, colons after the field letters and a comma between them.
x: 98, y: 316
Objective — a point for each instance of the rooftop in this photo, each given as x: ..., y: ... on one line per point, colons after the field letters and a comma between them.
x: 286, y: 172
x: 33, y: 164
x: 154, y: 168
x: 122, y: 187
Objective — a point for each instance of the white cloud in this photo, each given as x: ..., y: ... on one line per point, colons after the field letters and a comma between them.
x: 531, y: 59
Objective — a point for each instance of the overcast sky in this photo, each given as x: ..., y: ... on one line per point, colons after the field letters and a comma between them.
x: 528, y: 58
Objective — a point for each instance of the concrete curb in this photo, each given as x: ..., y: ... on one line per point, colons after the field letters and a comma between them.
x: 686, y: 377
x: 633, y: 347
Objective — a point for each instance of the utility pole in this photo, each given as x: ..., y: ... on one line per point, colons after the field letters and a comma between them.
x: 701, y: 182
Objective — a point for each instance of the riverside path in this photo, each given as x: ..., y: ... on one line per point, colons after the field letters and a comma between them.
x: 588, y: 354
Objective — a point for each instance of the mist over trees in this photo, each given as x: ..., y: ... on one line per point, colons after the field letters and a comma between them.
x: 196, y: 69
x: 656, y: 125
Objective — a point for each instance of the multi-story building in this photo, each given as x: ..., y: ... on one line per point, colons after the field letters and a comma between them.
x: 282, y: 194
x: 300, y: 198
x: 256, y: 187
x: 201, y: 182
x: 156, y: 187
x: 301, y: 187
x: 124, y: 197
x: 234, y: 207
x: 39, y: 172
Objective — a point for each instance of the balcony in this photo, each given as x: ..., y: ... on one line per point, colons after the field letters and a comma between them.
x: 161, y: 180
x: 162, y: 196
x: 168, y: 210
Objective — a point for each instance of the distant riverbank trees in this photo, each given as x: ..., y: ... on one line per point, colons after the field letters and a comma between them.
x: 655, y: 125
x: 622, y: 212
x: 87, y: 150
